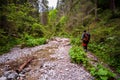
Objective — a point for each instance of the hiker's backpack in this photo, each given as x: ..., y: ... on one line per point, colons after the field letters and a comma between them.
x: 86, y: 37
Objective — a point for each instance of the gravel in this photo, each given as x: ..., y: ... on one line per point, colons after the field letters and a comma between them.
x: 54, y: 65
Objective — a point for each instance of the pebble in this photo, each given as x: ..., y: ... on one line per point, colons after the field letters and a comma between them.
x: 3, y: 78
x: 7, y: 73
x: 13, y: 76
x: 21, y: 75
x: 60, y: 69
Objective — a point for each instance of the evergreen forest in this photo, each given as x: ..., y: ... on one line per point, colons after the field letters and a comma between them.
x: 30, y: 23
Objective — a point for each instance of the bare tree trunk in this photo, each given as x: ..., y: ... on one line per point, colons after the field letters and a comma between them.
x: 58, y: 3
x: 112, y: 6
x: 96, y: 16
x: 44, y: 18
x: 44, y: 8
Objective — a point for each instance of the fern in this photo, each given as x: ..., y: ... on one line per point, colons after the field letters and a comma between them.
x: 77, y: 55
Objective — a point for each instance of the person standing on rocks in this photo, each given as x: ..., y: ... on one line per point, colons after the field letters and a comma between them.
x: 85, y: 40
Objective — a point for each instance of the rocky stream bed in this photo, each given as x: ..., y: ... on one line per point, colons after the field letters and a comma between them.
x: 50, y: 61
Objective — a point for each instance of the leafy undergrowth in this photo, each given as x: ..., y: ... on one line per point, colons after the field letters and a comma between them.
x: 7, y: 44
x: 105, y: 39
x: 35, y: 42
x: 102, y: 73
x: 79, y: 56
x: 26, y: 41
x: 30, y: 41
x: 105, y: 53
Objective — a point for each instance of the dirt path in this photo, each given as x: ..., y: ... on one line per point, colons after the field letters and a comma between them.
x: 51, y: 62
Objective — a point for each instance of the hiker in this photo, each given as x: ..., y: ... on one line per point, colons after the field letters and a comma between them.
x: 85, y: 40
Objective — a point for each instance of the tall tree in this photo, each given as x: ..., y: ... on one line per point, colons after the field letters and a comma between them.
x: 96, y: 4
x: 43, y: 8
x: 112, y: 5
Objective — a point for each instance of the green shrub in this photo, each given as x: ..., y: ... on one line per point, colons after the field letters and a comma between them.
x: 101, y: 73
x: 35, y: 42
x: 63, y: 34
x: 77, y: 55
x: 8, y: 43
x: 26, y: 36
x: 118, y: 69
x: 75, y: 41
x: 106, y: 53
x: 63, y: 20
x: 52, y: 15
x: 38, y: 30
x: 4, y: 49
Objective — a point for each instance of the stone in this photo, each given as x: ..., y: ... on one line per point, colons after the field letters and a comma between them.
x: 66, y: 69
x: 21, y: 75
x: 7, y: 73
x: 3, y: 78
x: 13, y: 75
x: 6, y: 68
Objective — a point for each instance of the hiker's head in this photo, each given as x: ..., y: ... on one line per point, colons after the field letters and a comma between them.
x: 85, y: 31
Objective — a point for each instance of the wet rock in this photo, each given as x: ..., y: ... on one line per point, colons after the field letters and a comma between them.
x: 13, y: 75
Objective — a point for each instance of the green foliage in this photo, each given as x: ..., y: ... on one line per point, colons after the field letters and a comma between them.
x: 7, y: 44
x: 63, y: 34
x: 34, y: 42
x: 102, y: 51
x: 52, y: 15
x: 38, y: 30
x: 105, y: 43
x: 101, y: 73
x: 106, y: 54
x: 107, y: 15
x: 36, y: 26
x: 63, y: 20
x: 19, y: 19
x: 105, y: 40
x: 118, y: 69
x: 78, y: 55
x: 26, y: 36
x: 56, y: 25
x: 75, y: 41
x: 30, y: 41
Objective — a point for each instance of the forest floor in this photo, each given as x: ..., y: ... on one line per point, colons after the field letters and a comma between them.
x: 51, y: 62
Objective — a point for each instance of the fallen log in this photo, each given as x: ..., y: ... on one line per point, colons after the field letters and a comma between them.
x: 24, y: 65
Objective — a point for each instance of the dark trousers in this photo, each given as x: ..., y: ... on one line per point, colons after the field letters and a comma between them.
x: 85, y: 44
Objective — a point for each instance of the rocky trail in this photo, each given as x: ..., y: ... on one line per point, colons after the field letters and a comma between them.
x: 50, y: 62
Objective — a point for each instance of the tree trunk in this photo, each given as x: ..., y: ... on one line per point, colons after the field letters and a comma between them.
x: 96, y: 16
x: 44, y: 17
x: 58, y: 3
x: 43, y: 11
x: 112, y: 6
